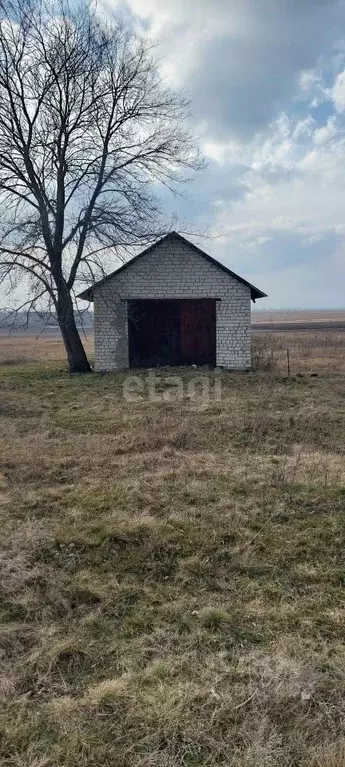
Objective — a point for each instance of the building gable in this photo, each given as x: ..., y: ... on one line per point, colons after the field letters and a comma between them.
x: 169, y: 254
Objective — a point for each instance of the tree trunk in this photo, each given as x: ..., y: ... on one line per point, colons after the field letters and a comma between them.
x: 77, y: 359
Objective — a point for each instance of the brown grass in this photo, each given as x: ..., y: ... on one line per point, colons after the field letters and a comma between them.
x: 319, y: 351
x: 310, y: 351
x: 172, y: 577
x: 19, y: 347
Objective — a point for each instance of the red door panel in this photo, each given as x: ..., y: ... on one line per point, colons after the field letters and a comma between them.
x: 198, y: 325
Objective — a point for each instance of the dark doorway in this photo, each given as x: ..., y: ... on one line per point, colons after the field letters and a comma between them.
x: 172, y: 332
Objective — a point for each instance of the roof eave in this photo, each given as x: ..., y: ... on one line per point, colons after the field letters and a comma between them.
x: 86, y: 295
x: 255, y: 293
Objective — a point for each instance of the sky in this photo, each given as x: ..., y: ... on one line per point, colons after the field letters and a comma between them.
x: 266, y: 79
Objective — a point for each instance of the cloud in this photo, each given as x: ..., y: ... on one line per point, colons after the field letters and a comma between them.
x: 338, y: 92
x: 267, y: 85
x: 326, y: 132
x: 241, y: 61
x: 291, y: 185
x: 267, y: 82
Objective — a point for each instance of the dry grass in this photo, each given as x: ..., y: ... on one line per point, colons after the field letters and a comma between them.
x: 172, y: 579
x: 19, y: 347
x: 310, y: 351
x: 319, y: 351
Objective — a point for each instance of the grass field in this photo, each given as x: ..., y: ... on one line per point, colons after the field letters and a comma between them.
x: 173, y: 576
x: 310, y: 351
x: 321, y: 351
x: 24, y: 347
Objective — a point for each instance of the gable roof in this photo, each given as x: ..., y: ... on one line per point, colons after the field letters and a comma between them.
x: 87, y: 294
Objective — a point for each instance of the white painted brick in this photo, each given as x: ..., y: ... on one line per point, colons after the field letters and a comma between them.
x: 172, y: 270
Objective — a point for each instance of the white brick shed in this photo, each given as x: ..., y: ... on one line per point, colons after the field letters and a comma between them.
x: 172, y: 304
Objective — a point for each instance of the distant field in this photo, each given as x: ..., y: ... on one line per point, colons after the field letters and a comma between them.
x: 298, y: 315
x: 25, y: 346
x: 291, y: 320
x: 310, y: 351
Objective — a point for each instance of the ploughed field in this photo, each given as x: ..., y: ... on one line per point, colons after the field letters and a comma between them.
x: 172, y: 566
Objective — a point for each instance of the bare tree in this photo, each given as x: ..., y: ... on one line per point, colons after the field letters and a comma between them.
x: 87, y: 132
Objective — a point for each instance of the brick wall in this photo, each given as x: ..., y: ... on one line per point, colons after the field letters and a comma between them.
x: 172, y: 270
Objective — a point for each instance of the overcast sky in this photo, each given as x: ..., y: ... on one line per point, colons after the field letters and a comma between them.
x: 267, y: 83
